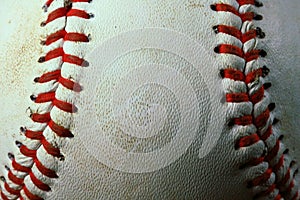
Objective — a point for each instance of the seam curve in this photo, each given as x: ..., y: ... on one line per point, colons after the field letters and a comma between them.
x: 28, y: 171
x: 277, y: 181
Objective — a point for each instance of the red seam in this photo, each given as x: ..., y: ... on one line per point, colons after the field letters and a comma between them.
x: 60, y: 12
x: 78, y: 13
x: 10, y: 190
x: 3, y: 196
x: 50, y: 149
x: 15, y: 179
x: 49, y: 96
x: 40, y: 118
x: 243, y: 120
x: 19, y: 167
x: 262, y: 178
x: 233, y: 74
x: 237, y: 97
x: 60, y: 130
x: 30, y: 195
x: 256, y: 97
x: 55, y: 36
x: 248, y: 140
x: 39, y: 184
x: 45, y: 171
x: 34, y: 135
x: 27, y: 152
x: 248, y: 16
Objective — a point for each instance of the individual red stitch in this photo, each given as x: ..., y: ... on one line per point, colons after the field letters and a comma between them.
x: 76, y: 37
x: 3, y: 196
x: 71, y: 85
x: 48, y: 3
x: 60, y: 12
x: 247, y: 140
x: 290, y: 187
x: 248, y: 16
x: 273, y: 152
x: 19, y: 167
x: 262, y: 178
x: 230, y: 30
x: 237, y: 97
x: 50, y: 148
x: 251, y: 34
x: 267, y: 134
x: 30, y: 195
x: 78, y: 13
x: 234, y: 74
x: 38, y: 183
x: 27, y: 152
x: 34, y: 135
x: 258, y: 95
x: 62, y: 105
x: 10, y: 190
x: 286, y: 177
x: 45, y: 171
x: 266, y: 192
x: 15, y: 179
x: 278, y: 197
x: 229, y: 49
x: 60, y: 130
x: 73, y: 59
x: 55, y: 36
x: 245, y: 2
x: 52, y: 54
x: 225, y: 8
x: 233, y: 31
x: 279, y: 164
x: 252, y: 55
x: 252, y: 76
x: 49, y: 76
x: 45, y: 97
x: 40, y: 118
x: 262, y: 119
x: 243, y: 121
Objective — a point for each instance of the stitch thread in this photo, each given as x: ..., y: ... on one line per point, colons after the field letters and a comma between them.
x: 255, y: 94
x: 20, y: 171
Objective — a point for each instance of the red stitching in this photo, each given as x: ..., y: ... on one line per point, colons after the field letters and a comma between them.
x: 10, y: 190
x: 30, y: 195
x: 50, y: 148
x: 237, y: 97
x: 60, y: 130
x: 40, y: 118
x: 78, y: 13
x: 54, y: 37
x: 49, y: 97
x: 38, y: 183
x: 34, y: 135
x: 45, y: 171
x: 19, y: 167
x: 15, y: 179
x: 3, y: 196
x: 27, y: 152
x: 261, y: 120
x: 247, y: 141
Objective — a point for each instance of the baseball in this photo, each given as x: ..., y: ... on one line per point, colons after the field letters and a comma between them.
x: 157, y: 99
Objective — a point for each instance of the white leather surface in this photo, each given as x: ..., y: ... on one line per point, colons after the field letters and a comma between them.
x: 81, y: 175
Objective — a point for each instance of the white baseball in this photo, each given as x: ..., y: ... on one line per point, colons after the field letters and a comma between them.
x: 157, y: 99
